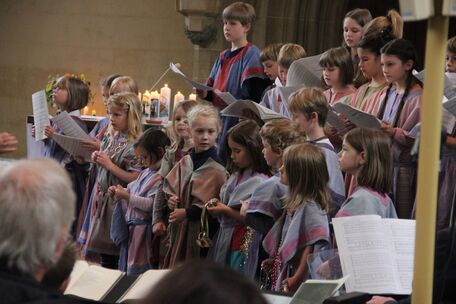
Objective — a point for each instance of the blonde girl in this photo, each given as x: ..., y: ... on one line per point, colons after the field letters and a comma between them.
x: 116, y: 165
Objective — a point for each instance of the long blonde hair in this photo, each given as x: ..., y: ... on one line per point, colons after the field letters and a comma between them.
x: 130, y: 103
x: 307, y: 174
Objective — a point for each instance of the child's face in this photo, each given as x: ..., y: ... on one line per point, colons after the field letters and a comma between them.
x: 450, y: 62
x: 181, y: 127
x: 283, y: 175
x: 350, y: 160
x: 234, y: 31
x: 394, y: 69
x: 283, y: 72
x: 369, y: 63
x: 204, y: 133
x: 118, y: 118
x: 271, y: 69
x: 302, y: 120
x: 60, y: 96
x: 105, y: 95
x: 239, y: 155
x: 144, y: 156
x: 331, y: 75
x: 272, y: 158
x: 352, y: 32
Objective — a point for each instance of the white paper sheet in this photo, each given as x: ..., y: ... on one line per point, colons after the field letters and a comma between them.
x: 69, y: 127
x: 334, y: 120
x: 225, y: 96
x: 237, y: 109
x: 73, y: 146
x: 195, y: 84
x: 376, y: 254
x: 40, y: 114
x: 94, y: 283
x: 144, y: 284
x: 359, y: 118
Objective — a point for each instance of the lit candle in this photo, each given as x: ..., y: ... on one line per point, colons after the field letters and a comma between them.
x: 94, y: 113
x: 177, y: 98
x: 165, y: 94
x: 86, y: 110
x: 192, y: 96
x: 139, y: 96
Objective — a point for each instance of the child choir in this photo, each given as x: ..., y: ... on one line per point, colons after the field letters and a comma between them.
x: 268, y: 199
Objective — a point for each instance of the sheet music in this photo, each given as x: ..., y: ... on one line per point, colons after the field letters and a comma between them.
x: 73, y: 146
x: 367, y: 248
x: 305, y: 72
x: 450, y: 106
x: 144, y: 284
x: 359, y: 118
x: 40, y: 114
x: 94, y: 283
x: 225, y: 96
x: 69, y: 127
x: 237, y: 109
x: 285, y: 92
x: 334, y: 120
x: 402, y: 234
x: 449, y: 88
x: 196, y: 85
x: 316, y: 291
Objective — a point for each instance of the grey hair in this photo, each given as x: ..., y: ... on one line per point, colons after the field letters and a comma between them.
x: 37, y: 204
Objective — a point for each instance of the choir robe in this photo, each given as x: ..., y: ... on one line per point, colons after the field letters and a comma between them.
x: 231, y: 235
x: 131, y: 227
x: 306, y: 226
x: 365, y: 201
x: 194, y: 184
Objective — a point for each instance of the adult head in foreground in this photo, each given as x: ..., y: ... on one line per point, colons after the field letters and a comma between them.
x: 202, y: 281
x: 36, y: 211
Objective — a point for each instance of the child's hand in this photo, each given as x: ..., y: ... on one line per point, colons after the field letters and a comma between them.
x: 177, y: 216
x: 112, y: 191
x: 102, y: 159
x: 244, y: 207
x: 218, y: 209
x: 172, y: 202
x: 267, y: 264
x: 159, y: 228
x: 121, y: 193
x: 290, y: 284
x: 324, y: 270
x: 49, y: 131
x: 387, y: 128
x: 91, y: 145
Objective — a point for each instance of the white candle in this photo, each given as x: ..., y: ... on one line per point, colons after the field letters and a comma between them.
x: 155, y: 104
x: 177, y: 98
x: 192, y: 96
x: 86, y: 110
x: 165, y: 94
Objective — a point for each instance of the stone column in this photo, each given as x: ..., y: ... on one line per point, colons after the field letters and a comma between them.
x: 201, y: 28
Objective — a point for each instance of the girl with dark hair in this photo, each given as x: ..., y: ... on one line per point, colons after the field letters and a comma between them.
x: 400, y: 115
x: 132, y: 218
x: 249, y: 169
